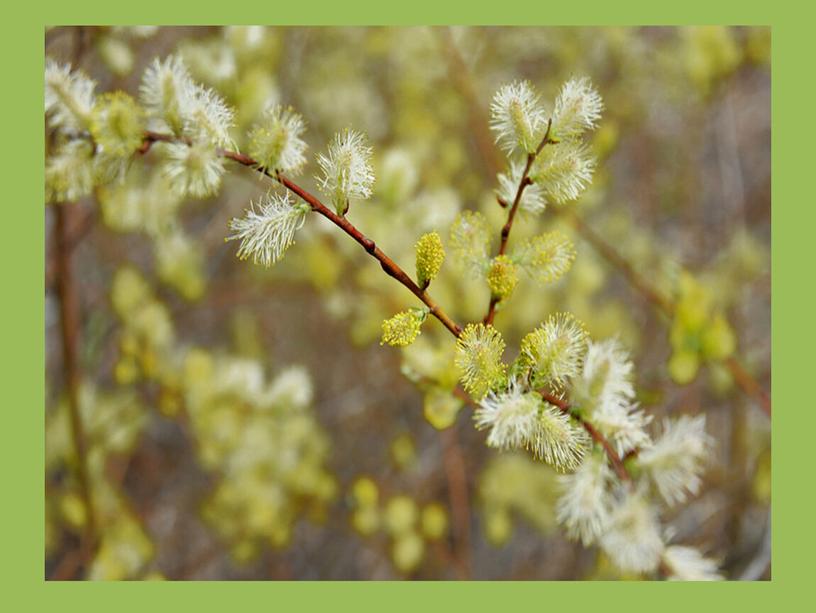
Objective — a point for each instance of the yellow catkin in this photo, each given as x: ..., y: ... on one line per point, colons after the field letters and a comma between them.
x: 403, y: 328
x: 429, y: 257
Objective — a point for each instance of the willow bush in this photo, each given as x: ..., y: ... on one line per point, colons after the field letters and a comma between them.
x: 557, y: 390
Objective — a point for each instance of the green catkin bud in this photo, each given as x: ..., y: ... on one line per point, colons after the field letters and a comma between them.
x: 717, y: 339
x: 366, y: 520
x: 683, y: 366
x: 502, y: 277
x: 401, y: 514
x: 429, y: 257
x: 403, y: 328
x: 407, y: 551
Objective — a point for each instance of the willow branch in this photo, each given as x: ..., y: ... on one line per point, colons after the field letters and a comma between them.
x: 658, y: 300
x: 76, y: 233
x: 388, y: 265
x: 565, y: 407
x: 511, y: 215
x: 614, y: 458
x: 461, y: 77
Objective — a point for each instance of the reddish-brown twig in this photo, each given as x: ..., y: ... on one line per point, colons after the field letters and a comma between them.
x: 614, y: 458
x: 565, y: 407
x: 524, y: 181
x: 459, y: 70
x: 748, y: 384
x: 388, y: 265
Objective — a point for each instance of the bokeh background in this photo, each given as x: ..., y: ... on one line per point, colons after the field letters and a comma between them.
x: 245, y: 423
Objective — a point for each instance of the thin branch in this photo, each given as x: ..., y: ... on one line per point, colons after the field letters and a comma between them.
x: 658, y: 300
x: 748, y: 384
x: 76, y: 233
x: 69, y: 331
x: 461, y: 74
x: 614, y: 458
x: 456, y: 475
x: 511, y: 215
x: 69, y: 321
x: 390, y: 267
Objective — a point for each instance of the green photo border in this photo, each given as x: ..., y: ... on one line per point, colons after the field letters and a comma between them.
x: 24, y: 587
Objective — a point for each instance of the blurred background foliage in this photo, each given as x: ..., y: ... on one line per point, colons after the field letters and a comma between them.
x: 244, y: 422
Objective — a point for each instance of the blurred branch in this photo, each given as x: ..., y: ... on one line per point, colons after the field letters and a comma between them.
x: 762, y: 560
x: 460, y: 76
x: 748, y: 384
x: 742, y: 377
x: 658, y: 300
x: 78, y: 228
x: 614, y: 458
x: 69, y: 330
x: 459, y: 499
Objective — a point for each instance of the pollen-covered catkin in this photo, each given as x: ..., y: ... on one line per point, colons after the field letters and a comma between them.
x: 429, y: 257
x: 402, y: 329
x: 554, y: 351
x: 479, y: 351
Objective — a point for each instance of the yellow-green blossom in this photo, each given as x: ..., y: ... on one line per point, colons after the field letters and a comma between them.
x: 403, y: 328
x: 555, y: 350
x: 429, y: 257
x: 479, y: 353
